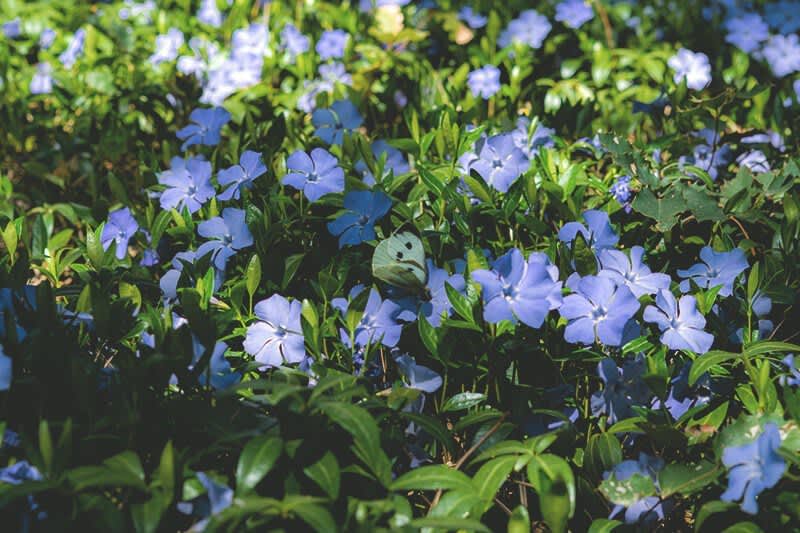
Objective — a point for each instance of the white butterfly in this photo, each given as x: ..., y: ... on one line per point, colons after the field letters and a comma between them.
x: 400, y: 261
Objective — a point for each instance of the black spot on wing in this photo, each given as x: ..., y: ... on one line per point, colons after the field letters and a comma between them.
x: 399, y: 255
x: 408, y: 245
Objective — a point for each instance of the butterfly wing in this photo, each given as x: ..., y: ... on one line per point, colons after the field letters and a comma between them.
x: 400, y: 261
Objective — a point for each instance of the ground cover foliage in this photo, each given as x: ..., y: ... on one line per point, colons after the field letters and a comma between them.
x: 584, y: 317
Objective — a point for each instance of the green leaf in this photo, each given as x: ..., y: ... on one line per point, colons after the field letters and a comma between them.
x: 325, y: 473
x: 743, y: 527
x: 702, y: 364
x: 583, y: 256
x: 167, y: 472
x: 663, y: 210
x: 460, y: 303
x: 252, y: 275
x: 46, y: 445
x: 11, y: 239
x: 686, y: 479
x: 147, y: 515
x: 435, y: 428
x: 448, y: 524
x: 94, y: 247
x: 604, y: 525
x: 554, y: 482
x: 256, y: 460
x: 428, y: 335
x: 433, y: 477
x: 462, y: 401
x: 316, y: 516
x: 628, y: 491
x: 519, y: 521
x: 491, y: 476
x: 709, y: 509
x: 768, y: 347
x: 366, y: 437
x: 603, y: 452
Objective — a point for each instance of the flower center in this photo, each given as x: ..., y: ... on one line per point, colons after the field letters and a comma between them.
x: 362, y: 220
x: 599, y: 313
x: 313, y: 176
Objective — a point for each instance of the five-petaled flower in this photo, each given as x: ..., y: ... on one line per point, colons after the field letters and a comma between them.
x: 228, y: 234
x: 598, y: 310
x: 241, y: 176
x: 716, y: 269
x: 188, y: 184
x: 205, y: 130
x: 691, y: 66
x: 316, y: 175
x: 680, y: 322
x: 119, y: 229
x: 753, y: 468
x: 484, y: 82
x: 331, y: 44
x: 631, y: 272
x: 499, y: 161
x: 332, y: 123
x: 599, y: 234
x: 518, y: 290
x: 357, y: 224
x: 277, y: 336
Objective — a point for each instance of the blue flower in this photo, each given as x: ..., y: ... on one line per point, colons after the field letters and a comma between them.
x: 378, y: 323
x: 74, y: 49
x: 188, y: 184
x: 209, y: 13
x: 316, y: 175
x: 473, y: 19
x: 218, y: 373
x: 206, y: 127
x: 241, y: 176
x: 484, y: 82
x: 691, y: 66
x: 277, y: 336
x: 747, y: 32
x: 293, y: 41
x: 793, y: 378
x: 437, y: 304
x: 6, y: 370
x: 784, y: 16
x: 680, y: 322
x: 499, y: 162
x: 716, y: 269
x: 417, y: 376
x: 167, y: 46
x: 47, y: 38
x: 217, y: 498
x: 621, y: 191
x: 229, y: 233
x: 682, y: 396
x: 518, y: 290
x: 13, y: 28
x: 119, y: 229
x: 753, y: 468
x: 755, y: 160
x: 649, y: 508
x: 169, y: 281
x: 364, y: 208
x: 623, y: 388
x: 631, y: 272
x: 531, y: 141
x: 396, y: 163
x: 42, y: 80
x: 782, y: 52
x: 342, y: 117
x: 530, y: 28
x: 331, y: 44
x: 599, y: 310
x: 332, y: 73
x: 598, y: 235
x: 574, y: 13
